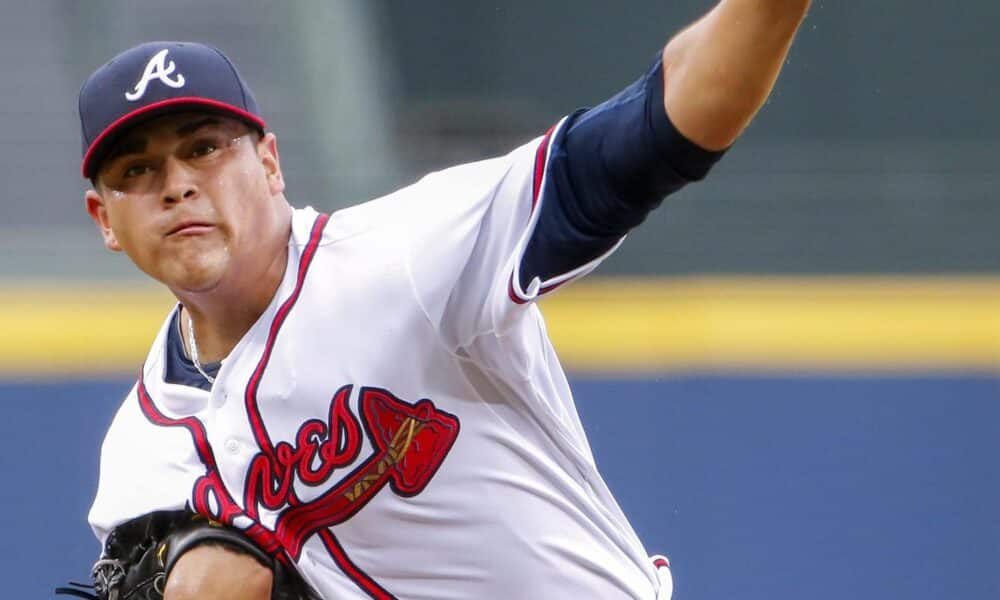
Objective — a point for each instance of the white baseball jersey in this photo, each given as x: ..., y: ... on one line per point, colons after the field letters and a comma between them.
x: 396, y: 423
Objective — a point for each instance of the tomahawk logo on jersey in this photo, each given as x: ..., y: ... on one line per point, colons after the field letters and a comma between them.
x: 396, y: 424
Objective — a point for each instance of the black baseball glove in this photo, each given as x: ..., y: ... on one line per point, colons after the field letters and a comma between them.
x: 140, y: 554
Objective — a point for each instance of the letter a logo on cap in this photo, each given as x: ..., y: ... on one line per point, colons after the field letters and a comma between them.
x: 155, y: 69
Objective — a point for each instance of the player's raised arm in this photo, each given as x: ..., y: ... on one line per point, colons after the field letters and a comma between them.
x: 610, y: 165
x: 719, y: 71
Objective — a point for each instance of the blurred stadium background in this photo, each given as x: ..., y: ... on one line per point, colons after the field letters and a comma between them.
x: 789, y: 374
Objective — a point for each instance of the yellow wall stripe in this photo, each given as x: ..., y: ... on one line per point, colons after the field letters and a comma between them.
x: 78, y: 330
x: 821, y: 323
x: 856, y: 324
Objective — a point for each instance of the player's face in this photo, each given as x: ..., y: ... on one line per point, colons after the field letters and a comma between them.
x: 192, y: 199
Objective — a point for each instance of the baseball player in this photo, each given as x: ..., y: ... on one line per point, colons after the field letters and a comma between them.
x: 366, y: 404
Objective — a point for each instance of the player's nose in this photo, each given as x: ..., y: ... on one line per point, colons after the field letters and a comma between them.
x: 178, y: 182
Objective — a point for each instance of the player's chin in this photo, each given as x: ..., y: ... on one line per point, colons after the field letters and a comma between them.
x: 198, y: 275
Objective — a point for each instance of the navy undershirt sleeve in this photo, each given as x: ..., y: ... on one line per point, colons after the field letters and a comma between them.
x: 608, y: 167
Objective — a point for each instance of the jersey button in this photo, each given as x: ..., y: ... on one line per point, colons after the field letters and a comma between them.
x: 233, y: 446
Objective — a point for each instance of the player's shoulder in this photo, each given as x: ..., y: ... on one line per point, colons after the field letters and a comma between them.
x: 480, y: 174
x: 128, y: 412
x: 429, y: 199
x: 131, y: 426
x: 483, y: 176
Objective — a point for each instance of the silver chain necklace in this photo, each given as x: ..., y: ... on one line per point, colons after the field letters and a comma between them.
x: 193, y: 347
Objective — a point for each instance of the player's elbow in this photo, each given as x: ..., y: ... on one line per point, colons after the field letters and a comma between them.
x: 209, y: 571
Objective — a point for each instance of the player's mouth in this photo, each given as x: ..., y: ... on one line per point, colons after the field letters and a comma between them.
x: 186, y: 228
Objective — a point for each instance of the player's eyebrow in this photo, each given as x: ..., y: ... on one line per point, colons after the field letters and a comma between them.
x: 125, y: 147
x: 192, y: 126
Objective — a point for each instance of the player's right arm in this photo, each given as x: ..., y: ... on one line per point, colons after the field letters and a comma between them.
x: 616, y: 162
x: 720, y: 70
x: 564, y: 206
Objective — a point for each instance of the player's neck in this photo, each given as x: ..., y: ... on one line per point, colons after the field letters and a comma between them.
x: 224, y: 314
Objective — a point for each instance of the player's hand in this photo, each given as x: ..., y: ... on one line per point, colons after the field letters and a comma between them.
x: 217, y: 573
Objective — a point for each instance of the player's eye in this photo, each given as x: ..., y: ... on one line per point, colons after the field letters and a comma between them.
x: 204, y: 148
x: 136, y: 170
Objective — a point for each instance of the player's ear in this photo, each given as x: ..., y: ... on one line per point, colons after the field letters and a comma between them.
x: 99, y: 213
x: 267, y: 150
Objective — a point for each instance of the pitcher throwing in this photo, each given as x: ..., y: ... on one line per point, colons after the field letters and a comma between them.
x: 366, y: 404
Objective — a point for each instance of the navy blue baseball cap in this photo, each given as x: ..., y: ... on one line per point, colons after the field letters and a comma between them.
x: 154, y: 79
